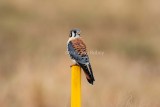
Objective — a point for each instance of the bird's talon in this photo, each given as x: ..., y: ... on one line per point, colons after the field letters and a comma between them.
x: 73, y: 65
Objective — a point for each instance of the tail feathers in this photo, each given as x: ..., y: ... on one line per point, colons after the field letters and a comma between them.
x: 88, y: 72
x: 91, y: 72
x: 89, y: 78
x: 90, y: 81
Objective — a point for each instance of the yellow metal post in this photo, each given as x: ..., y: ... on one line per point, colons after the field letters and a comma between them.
x: 75, y: 86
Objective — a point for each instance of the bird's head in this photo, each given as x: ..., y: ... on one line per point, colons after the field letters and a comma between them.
x: 74, y: 33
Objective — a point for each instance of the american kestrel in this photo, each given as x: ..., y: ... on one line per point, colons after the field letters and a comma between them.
x: 78, y: 53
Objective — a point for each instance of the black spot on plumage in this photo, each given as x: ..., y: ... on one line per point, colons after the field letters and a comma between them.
x: 78, y: 53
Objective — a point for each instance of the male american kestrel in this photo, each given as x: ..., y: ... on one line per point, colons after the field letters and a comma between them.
x: 78, y: 53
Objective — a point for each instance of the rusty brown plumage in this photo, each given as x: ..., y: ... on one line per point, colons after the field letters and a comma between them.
x: 79, y: 46
x: 78, y: 53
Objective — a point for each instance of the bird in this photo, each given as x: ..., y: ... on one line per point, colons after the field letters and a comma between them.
x: 78, y: 53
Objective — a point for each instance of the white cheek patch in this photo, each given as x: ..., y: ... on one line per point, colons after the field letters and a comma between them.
x: 73, y: 34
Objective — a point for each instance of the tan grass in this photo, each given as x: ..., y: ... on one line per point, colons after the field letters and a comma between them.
x: 34, y: 66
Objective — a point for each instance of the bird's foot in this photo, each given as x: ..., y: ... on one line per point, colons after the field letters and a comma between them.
x: 74, y: 65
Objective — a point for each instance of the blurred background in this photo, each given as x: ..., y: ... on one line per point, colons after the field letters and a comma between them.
x: 123, y: 41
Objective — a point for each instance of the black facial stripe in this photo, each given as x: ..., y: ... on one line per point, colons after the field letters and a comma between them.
x: 74, y: 33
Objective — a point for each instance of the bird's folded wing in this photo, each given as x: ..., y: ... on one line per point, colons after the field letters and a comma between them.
x: 77, y: 51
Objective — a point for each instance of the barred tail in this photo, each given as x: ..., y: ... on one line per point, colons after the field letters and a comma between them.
x: 88, y: 72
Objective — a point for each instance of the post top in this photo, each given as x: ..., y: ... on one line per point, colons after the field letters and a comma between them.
x: 74, y: 65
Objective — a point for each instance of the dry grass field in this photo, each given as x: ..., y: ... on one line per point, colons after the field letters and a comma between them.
x: 123, y: 41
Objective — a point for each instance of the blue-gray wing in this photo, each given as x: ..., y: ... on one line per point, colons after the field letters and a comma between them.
x: 77, y: 51
x: 74, y: 54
